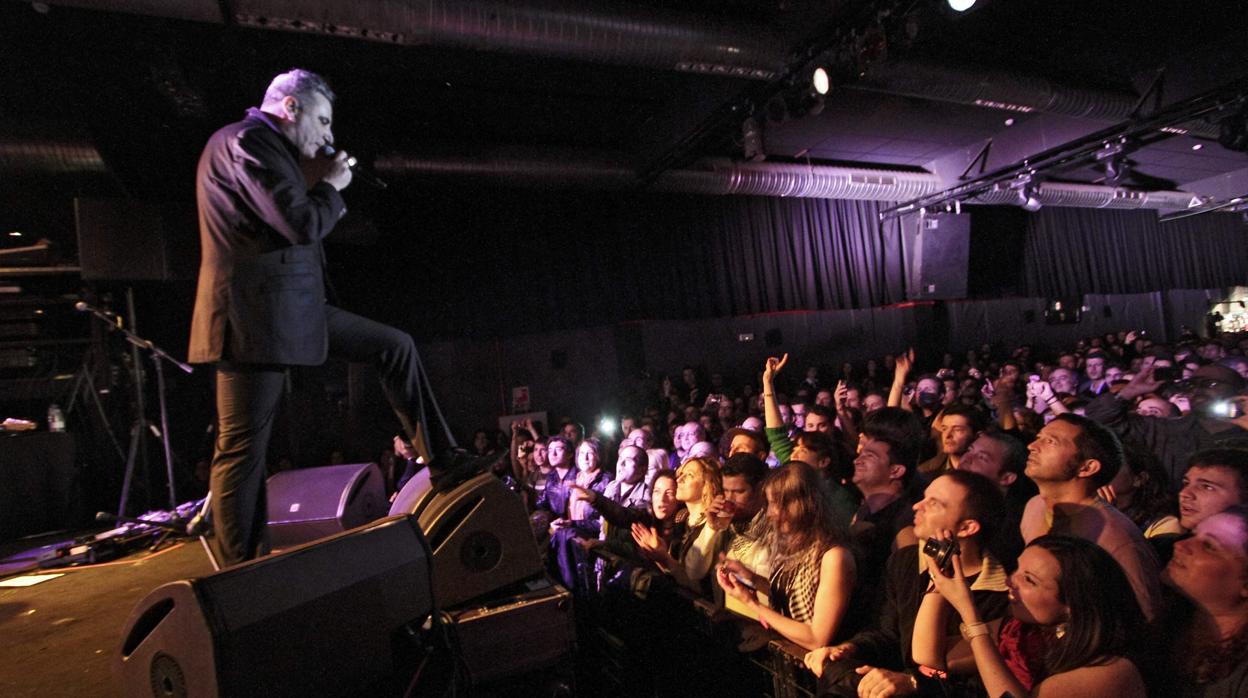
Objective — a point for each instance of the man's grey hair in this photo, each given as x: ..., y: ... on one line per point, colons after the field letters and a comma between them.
x: 297, y: 82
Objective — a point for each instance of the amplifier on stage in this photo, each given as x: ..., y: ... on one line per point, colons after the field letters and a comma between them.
x: 517, y: 634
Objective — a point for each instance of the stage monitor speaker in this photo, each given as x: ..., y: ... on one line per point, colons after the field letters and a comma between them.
x: 937, y: 249
x: 516, y: 634
x: 414, y: 496
x: 320, y: 619
x: 128, y: 240
x: 479, y: 534
x: 312, y: 503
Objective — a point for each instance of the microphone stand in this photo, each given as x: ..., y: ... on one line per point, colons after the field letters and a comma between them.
x: 137, y: 436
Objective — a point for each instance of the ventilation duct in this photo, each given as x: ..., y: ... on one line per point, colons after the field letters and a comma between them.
x: 577, y: 170
x: 1092, y: 196
x: 800, y: 181
x: 714, y: 177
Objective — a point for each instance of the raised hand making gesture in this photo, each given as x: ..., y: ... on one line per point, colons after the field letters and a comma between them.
x: 771, y: 411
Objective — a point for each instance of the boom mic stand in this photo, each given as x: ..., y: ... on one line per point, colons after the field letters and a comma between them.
x: 141, y: 424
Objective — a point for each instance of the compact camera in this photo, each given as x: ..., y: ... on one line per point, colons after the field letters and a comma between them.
x: 942, y: 552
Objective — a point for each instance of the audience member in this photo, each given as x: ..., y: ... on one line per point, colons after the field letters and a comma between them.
x: 1173, y: 440
x: 1141, y: 490
x: 841, y: 502
x: 1204, y: 638
x: 580, y: 520
x: 1002, y: 458
x: 1070, y: 460
x: 741, y: 513
x: 888, y: 453
x: 629, y: 487
x: 552, y: 501
x: 742, y: 440
x: 1215, y: 480
x: 878, y: 660
x: 666, y: 517
x: 1077, y: 598
x: 698, y: 483
x: 959, y: 426
x: 1068, y: 493
x: 812, y: 569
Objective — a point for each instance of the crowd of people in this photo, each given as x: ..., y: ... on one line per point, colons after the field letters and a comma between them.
x: 1010, y: 523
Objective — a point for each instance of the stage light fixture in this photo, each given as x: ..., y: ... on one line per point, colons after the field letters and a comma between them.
x: 1117, y: 169
x: 961, y: 5
x: 1027, y: 190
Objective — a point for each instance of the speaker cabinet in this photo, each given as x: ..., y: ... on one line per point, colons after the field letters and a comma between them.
x: 312, y: 503
x: 479, y: 534
x: 517, y: 634
x: 937, y: 248
x: 128, y: 240
x: 318, y: 619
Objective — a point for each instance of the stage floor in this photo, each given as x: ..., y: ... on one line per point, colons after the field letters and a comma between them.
x: 61, y: 637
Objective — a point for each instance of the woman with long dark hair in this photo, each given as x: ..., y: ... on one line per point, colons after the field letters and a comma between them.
x: 1072, y: 623
x: 812, y: 569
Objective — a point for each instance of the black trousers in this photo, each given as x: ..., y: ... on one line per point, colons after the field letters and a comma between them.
x: 248, y: 396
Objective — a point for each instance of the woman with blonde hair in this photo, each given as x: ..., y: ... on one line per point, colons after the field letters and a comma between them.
x: 698, y: 483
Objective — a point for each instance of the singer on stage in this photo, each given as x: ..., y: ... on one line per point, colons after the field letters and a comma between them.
x: 266, y: 200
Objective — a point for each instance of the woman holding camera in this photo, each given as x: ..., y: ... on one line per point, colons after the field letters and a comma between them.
x: 813, y: 569
x: 1073, y: 618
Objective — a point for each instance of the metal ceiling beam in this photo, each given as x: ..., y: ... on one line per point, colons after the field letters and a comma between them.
x: 1080, y: 151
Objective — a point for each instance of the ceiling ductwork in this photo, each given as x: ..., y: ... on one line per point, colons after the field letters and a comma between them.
x: 595, y: 32
x: 598, y: 32
x: 514, y: 168
x: 712, y: 177
x: 800, y: 181
x: 632, y: 36
x: 1005, y: 91
x: 1062, y: 195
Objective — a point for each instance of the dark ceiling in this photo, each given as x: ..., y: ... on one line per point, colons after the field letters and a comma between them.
x: 144, y: 91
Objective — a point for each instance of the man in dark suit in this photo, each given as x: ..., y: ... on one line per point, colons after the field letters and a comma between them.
x: 266, y: 200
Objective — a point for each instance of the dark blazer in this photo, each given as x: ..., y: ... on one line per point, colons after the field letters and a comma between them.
x: 261, y: 293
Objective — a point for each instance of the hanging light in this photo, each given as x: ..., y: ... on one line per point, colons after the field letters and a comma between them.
x: 1027, y: 191
x: 961, y: 5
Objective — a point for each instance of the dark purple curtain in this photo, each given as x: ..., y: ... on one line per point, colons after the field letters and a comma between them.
x: 515, y: 262
x: 1070, y: 252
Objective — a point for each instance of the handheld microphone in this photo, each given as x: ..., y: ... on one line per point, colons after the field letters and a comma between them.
x: 363, y: 173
